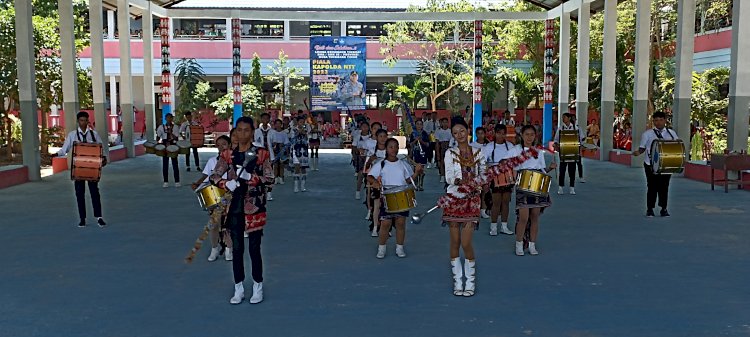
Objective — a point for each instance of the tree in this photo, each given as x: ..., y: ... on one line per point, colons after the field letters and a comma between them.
x: 526, y: 87
x: 205, y: 94
x: 251, y: 103
x: 281, y: 72
x: 188, y: 73
x: 414, y: 89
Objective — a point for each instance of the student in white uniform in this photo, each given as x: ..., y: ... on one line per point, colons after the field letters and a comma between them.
x: 360, y: 145
x: 570, y: 167
x: 264, y: 136
x: 480, y: 142
x: 84, y: 134
x: 392, y: 172
x: 430, y: 125
x: 370, y: 145
x: 168, y: 134
x: 443, y: 136
x: 185, y: 131
x: 657, y: 184
x: 281, y: 143
x: 501, y: 188
x: 356, y: 132
x: 374, y: 154
x: 530, y: 207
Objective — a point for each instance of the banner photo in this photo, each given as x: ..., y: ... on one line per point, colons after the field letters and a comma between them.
x: 338, y: 76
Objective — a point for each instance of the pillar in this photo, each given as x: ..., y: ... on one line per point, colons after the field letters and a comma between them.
x: 97, y: 71
x: 68, y: 62
x: 739, y: 80
x: 126, y: 77
x: 582, y: 77
x: 236, y: 71
x: 641, y: 81
x: 609, y: 50
x: 549, y: 48
x: 563, y: 91
x: 288, y: 30
x: 166, y: 73
x: 343, y: 28
x: 111, y: 25
x: 148, y: 72
x: 113, y: 102
x: 228, y: 33
x: 27, y: 89
x: 477, y: 116
x: 683, y: 90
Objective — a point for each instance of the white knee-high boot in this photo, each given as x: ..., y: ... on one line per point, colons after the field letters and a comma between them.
x: 470, y: 272
x: 458, y: 283
x: 296, y: 182
x: 304, y: 180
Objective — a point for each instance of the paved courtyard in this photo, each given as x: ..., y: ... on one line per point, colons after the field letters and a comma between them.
x: 604, y: 269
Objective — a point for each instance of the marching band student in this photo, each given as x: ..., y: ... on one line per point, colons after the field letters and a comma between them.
x: 370, y: 145
x: 430, y: 126
x: 464, y: 173
x: 314, y: 136
x: 657, y: 184
x: 359, y: 146
x: 264, y: 135
x: 443, y: 136
x: 498, y: 153
x: 168, y: 135
x: 583, y: 139
x: 420, y: 150
x: 247, y: 211
x: 280, y: 144
x: 567, y: 166
x: 374, y: 154
x: 84, y: 134
x: 529, y: 207
x: 391, y: 172
x: 300, y: 159
x: 480, y: 143
x: 215, y: 215
x: 185, y: 131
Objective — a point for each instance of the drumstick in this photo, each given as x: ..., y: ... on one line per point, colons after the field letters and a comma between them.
x: 197, y: 245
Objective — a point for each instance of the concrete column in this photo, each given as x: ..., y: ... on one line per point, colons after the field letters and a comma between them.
x: 68, y: 60
x: 683, y: 90
x: 97, y: 71
x: 563, y: 92
x: 608, y: 79
x: 27, y: 88
x: 148, y: 73
x: 287, y: 97
x: 641, y: 82
x: 456, y: 33
x: 343, y: 28
x: 400, y: 80
x: 172, y: 93
x: 111, y: 25
x: 512, y: 98
x: 287, y: 30
x: 582, y: 78
x: 739, y: 81
x: 126, y: 77
x: 229, y: 82
x: 171, y: 29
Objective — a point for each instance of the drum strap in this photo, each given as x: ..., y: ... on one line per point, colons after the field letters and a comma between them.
x: 82, y: 136
x: 658, y: 133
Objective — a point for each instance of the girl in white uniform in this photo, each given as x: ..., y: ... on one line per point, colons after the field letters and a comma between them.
x: 501, y: 187
x: 374, y: 154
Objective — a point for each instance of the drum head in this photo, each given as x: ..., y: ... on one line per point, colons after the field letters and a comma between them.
x: 161, y: 147
x: 183, y: 143
x: 173, y: 148
x: 395, y: 189
x: 655, y: 156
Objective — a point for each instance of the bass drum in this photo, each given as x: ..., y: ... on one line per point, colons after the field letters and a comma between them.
x: 533, y: 182
x: 667, y: 156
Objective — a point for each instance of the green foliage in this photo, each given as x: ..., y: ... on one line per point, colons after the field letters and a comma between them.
x: 255, y: 77
x: 718, y: 13
x: 414, y: 89
x: 188, y: 73
x: 252, y: 103
x: 205, y: 94
x: 85, y: 94
x: 280, y: 72
x: 526, y: 87
x: 665, y: 83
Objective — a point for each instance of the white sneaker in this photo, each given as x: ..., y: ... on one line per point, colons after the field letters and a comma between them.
x: 165, y: 185
x: 582, y: 179
x: 493, y: 229
x: 400, y: 251
x: 239, y: 294
x: 442, y: 179
x: 228, y: 254
x: 214, y: 254
x: 257, y: 293
x: 281, y: 181
x: 532, y: 249
x: 572, y: 191
x: 357, y: 195
x: 276, y: 181
x: 374, y: 233
x: 519, y: 248
x: 428, y: 165
x: 245, y: 235
x: 177, y: 184
x: 381, y: 251
x: 368, y: 216
x: 560, y: 190
x: 269, y: 197
x: 302, y: 186
x: 504, y: 229
x: 296, y: 186
x: 356, y: 174
x: 484, y: 214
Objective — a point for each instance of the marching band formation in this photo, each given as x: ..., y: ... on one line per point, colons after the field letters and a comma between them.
x: 479, y: 180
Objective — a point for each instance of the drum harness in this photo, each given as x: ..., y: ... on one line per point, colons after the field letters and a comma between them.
x: 658, y: 134
x: 82, y: 136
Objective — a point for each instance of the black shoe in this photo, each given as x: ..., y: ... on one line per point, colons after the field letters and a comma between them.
x: 188, y: 169
x: 101, y: 222
x: 650, y: 213
x: 82, y: 223
x: 664, y: 212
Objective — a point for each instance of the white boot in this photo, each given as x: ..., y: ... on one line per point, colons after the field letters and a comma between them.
x: 281, y: 180
x: 504, y: 229
x: 442, y: 179
x: 269, y: 196
x: 296, y: 183
x: 400, y: 251
x: 304, y: 180
x: 519, y: 248
x: 257, y: 293
x: 493, y: 229
x: 228, y: 254
x: 239, y: 294
x: 560, y: 190
x: 484, y: 214
x: 381, y: 251
x: 458, y: 275
x: 214, y: 254
x: 470, y: 272
x: 357, y: 195
x: 317, y: 164
x: 532, y: 249
x: 573, y: 191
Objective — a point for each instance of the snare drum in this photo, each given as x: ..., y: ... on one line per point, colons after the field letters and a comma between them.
x: 504, y: 179
x: 570, y: 146
x: 184, y: 146
x: 173, y: 151
x: 209, y: 196
x: 533, y: 182
x: 667, y: 156
x: 399, y: 199
x: 87, y: 162
x: 149, y: 146
x: 160, y: 150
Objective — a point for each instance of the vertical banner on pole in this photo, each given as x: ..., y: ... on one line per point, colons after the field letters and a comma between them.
x: 477, y: 116
x: 549, y: 49
x: 236, y: 71
x: 166, y: 73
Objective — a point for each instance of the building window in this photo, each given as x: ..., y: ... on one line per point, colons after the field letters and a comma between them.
x: 262, y: 29
x: 369, y: 29
x: 318, y: 28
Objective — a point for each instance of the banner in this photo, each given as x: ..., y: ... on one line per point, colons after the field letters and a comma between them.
x: 338, y: 76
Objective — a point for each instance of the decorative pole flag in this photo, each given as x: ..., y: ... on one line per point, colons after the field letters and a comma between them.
x: 236, y: 71
x: 166, y: 73
x: 549, y: 50
x: 477, y: 116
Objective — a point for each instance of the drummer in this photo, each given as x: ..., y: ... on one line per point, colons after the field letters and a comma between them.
x: 374, y: 154
x: 281, y: 141
x: 570, y: 166
x: 185, y: 131
x: 480, y: 143
x: 359, y: 146
x: 168, y: 134
x: 498, y: 153
x: 84, y: 134
x: 529, y: 207
x: 392, y: 172
x: 657, y: 184
x: 215, y: 215
x: 444, y: 137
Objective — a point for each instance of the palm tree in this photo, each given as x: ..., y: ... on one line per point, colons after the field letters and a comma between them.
x: 188, y: 74
x: 527, y: 88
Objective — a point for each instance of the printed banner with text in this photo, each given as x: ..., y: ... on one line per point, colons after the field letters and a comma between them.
x: 337, y: 66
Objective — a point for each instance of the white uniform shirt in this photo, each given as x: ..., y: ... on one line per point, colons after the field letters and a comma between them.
x: 508, y: 122
x: 653, y: 134
x: 532, y: 163
x: 361, y: 141
x: 495, y: 152
x: 355, y: 136
x: 185, y: 128
x: 453, y: 169
x: 392, y: 173
x: 208, y: 170
x: 78, y: 136
x: 281, y: 137
x: 161, y: 131
x: 430, y: 126
x: 259, y: 139
x: 570, y: 126
x: 373, y: 151
x: 443, y: 135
